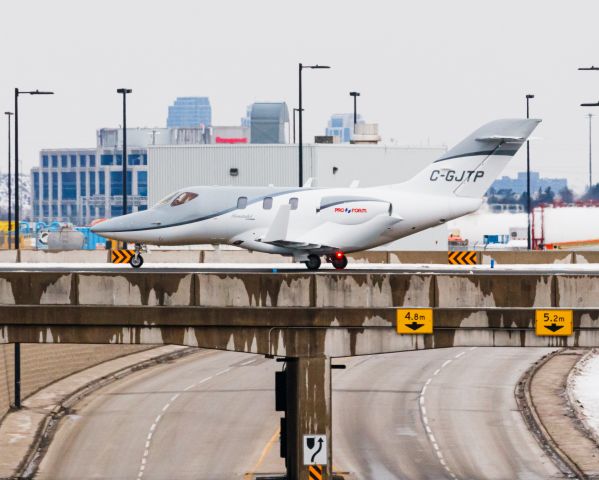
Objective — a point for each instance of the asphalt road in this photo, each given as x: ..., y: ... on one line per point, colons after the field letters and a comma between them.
x: 211, y: 416
x: 464, y: 424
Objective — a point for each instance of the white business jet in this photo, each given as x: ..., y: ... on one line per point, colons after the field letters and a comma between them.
x: 308, y: 223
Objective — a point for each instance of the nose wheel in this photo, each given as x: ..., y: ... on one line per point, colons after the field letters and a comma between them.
x: 137, y: 260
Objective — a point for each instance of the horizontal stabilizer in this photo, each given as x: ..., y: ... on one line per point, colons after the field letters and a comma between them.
x: 501, y: 138
x: 278, y: 227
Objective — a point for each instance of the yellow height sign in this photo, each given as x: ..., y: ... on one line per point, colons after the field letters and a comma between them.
x: 554, y: 323
x: 414, y: 320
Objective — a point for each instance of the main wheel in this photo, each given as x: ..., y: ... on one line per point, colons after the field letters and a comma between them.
x: 339, y: 262
x: 313, y: 262
x: 137, y: 261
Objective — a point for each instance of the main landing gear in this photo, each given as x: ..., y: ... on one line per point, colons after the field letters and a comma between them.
x: 137, y: 260
x: 338, y: 260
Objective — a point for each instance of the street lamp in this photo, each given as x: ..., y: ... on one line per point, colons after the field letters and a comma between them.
x: 124, y: 92
x: 355, y: 95
x: 294, y: 110
x: 300, y: 109
x: 17, y: 93
x: 8, y: 115
x: 590, y: 142
x: 528, y: 97
x: 591, y: 68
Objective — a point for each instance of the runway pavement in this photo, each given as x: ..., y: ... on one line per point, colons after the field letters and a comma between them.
x: 447, y: 413
x: 352, y: 268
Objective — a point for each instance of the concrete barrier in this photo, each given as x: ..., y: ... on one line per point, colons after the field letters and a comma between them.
x: 577, y: 291
x: 587, y: 257
x: 129, y: 288
x: 65, y: 256
x: 373, y: 290
x: 242, y: 256
x: 173, y: 256
x: 418, y: 257
x: 251, y: 289
x: 368, y: 257
x: 503, y: 257
x: 494, y: 291
x: 8, y: 256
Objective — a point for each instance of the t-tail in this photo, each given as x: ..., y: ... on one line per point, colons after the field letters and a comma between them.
x: 469, y: 168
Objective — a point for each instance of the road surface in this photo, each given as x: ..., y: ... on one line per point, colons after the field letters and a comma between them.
x: 211, y: 416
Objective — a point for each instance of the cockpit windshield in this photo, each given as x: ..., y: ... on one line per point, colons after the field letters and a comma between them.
x: 166, y: 200
x: 182, y: 198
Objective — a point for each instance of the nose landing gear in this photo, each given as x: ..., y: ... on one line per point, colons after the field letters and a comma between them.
x: 137, y: 260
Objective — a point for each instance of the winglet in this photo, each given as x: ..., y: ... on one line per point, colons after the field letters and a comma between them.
x: 309, y: 182
x: 354, y: 184
x: 278, y: 227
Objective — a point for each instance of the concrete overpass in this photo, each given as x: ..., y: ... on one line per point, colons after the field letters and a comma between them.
x: 308, y: 319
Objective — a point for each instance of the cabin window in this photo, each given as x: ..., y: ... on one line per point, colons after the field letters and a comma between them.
x: 242, y: 202
x: 293, y: 203
x: 267, y: 203
x: 183, y: 198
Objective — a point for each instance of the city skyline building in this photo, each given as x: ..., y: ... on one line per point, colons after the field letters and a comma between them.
x: 79, y: 185
x: 518, y: 184
x: 190, y: 112
x: 341, y: 126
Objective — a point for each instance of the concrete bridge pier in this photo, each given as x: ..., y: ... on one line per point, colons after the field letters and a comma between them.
x: 308, y: 412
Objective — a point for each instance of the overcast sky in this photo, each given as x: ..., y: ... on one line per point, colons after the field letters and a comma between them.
x: 428, y: 71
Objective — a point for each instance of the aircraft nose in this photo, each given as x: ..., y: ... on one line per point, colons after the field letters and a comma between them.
x: 132, y: 222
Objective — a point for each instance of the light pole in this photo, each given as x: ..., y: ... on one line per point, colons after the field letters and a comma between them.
x: 355, y: 95
x: 300, y: 109
x: 591, y: 68
x: 124, y: 92
x: 294, y: 110
x: 590, y: 151
x: 17, y: 93
x: 8, y: 115
x: 590, y: 142
x: 528, y: 203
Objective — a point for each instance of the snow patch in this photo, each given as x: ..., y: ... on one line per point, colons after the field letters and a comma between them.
x: 583, y: 386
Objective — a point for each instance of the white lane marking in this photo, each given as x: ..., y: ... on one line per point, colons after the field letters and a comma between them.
x: 421, y: 401
x: 142, y: 466
x: 248, y: 362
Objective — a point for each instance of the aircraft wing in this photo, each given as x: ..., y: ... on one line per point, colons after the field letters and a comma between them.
x: 296, y: 245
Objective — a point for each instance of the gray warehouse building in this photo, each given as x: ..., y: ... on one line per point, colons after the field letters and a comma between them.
x: 172, y: 167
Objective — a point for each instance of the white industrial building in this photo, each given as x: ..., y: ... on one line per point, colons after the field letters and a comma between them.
x: 172, y: 167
